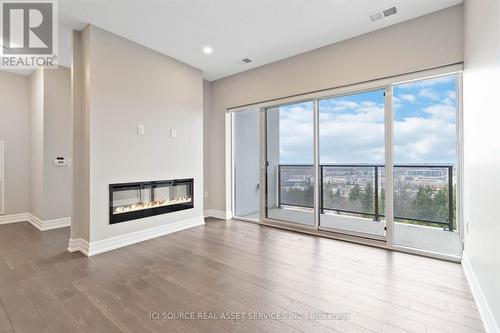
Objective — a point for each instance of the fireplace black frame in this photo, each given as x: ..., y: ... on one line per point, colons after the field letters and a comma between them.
x: 138, y: 214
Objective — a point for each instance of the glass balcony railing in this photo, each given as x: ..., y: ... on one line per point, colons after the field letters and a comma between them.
x: 423, y: 194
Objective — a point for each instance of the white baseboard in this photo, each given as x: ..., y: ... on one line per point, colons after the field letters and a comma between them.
x: 14, y: 218
x: 78, y: 244
x: 93, y: 248
x: 218, y: 214
x: 44, y: 225
x: 490, y: 325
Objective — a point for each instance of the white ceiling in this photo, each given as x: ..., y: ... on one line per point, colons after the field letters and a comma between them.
x: 262, y: 30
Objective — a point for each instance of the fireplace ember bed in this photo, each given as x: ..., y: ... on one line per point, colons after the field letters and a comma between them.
x: 131, y: 201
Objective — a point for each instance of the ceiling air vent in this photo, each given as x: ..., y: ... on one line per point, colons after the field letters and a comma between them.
x: 390, y: 11
x: 377, y: 16
x: 383, y: 13
x: 246, y: 60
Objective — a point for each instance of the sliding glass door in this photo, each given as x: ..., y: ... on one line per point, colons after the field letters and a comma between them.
x: 381, y: 163
x: 425, y: 165
x: 246, y: 182
x: 352, y: 163
x: 290, y: 159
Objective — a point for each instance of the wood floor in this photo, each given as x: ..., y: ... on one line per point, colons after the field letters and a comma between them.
x: 230, y: 269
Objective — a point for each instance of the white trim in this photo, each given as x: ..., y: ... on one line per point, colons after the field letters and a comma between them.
x: 35, y: 221
x: 490, y: 326
x: 14, y: 218
x: 78, y: 244
x: 218, y: 214
x: 48, y: 224
x: 316, y: 180
x: 389, y: 164
x: 96, y: 247
x: 246, y: 219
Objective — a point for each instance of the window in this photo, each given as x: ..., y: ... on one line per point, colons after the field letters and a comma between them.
x: 425, y: 159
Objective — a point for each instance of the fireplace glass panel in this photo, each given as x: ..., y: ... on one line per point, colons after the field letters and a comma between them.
x: 137, y: 200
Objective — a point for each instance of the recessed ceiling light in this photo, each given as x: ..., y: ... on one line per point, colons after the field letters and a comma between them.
x: 207, y: 50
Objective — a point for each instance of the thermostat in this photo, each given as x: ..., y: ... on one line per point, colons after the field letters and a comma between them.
x: 60, y: 161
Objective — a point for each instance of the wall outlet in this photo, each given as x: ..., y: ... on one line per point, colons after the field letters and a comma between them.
x: 173, y: 133
x: 205, y: 194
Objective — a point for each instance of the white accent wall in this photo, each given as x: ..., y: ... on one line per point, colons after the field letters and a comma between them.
x: 118, y: 84
x: 482, y: 156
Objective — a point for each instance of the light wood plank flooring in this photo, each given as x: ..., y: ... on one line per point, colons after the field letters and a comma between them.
x: 233, y: 268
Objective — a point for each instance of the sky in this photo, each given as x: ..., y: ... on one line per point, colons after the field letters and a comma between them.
x: 351, y: 128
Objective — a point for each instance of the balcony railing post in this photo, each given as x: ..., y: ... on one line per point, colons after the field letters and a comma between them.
x: 376, y: 194
x: 450, y: 198
x: 279, y: 186
x: 322, y: 192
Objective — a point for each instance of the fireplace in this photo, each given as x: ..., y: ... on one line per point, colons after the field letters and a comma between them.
x: 130, y: 201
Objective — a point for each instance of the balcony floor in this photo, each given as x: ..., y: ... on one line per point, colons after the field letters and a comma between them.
x: 408, y: 235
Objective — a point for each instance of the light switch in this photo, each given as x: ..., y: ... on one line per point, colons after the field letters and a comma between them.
x: 140, y: 129
x: 173, y: 133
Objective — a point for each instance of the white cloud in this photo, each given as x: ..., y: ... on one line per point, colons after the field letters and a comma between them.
x: 424, y: 140
x: 451, y: 94
x: 344, y: 105
x: 409, y: 98
x: 428, y: 83
x: 442, y: 111
x: 354, y: 133
x: 429, y: 93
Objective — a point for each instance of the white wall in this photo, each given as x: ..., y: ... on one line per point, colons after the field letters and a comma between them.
x: 50, y: 134
x: 481, y: 150
x: 34, y: 116
x: 14, y: 130
x: 80, y: 221
x: 207, y: 92
x: 127, y: 84
x: 57, y: 141
x: 426, y: 42
x: 36, y: 99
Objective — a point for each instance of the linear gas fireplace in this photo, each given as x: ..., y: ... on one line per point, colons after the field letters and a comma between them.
x: 130, y: 201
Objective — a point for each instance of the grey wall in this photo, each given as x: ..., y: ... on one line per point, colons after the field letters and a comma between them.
x: 481, y: 152
x: 426, y: 42
x: 57, y: 141
x: 14, y: 130
x: 50, y: 136
x: 80, y: 221
x: 127, y: 84
x: 35, y: 113
x: 207, y: 91
x: 36, y: 164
